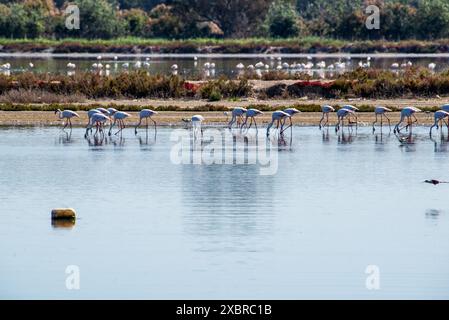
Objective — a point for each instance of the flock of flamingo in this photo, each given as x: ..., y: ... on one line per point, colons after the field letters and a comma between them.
x: 281, y: 119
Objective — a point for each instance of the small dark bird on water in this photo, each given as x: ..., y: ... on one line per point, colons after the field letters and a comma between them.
x: 435, y: 182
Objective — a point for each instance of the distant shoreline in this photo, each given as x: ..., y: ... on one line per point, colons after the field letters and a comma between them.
x: 308, y: 45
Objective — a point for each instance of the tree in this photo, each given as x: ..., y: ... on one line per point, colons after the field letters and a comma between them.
x: 98, y: 19
x: 282, y: 20
x: 136, y: 21
x: 236, y: 18
x: 398, y: 21
x: 433, y: 19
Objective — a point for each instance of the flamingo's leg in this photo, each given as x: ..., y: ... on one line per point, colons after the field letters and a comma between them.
x: 321, y: 120
x: 138, y: 125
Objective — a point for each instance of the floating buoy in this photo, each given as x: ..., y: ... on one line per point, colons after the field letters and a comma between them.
x: 63, y: 214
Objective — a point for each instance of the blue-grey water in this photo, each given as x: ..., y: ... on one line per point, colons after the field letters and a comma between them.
x: 225, y: 64
x: 151, y: 229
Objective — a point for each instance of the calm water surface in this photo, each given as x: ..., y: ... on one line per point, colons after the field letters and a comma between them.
x: 224, y: 64
x: 148, y: 228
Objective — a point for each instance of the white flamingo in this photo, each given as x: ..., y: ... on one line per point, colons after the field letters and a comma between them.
x: 251, y: 113
x: 291, y: 112
x: 98, y: 119
x: 146, y: 114
x: 341, y: 115
x: 237, y: 115
x: 119, y: 117
x: 277, y: 116
x: 407, y: 112
x: 90, y: 113
x: 67, y: 114
x: 353, y: 114
x: 439, y: 117
x: 197, y: 120
x: 381, y: 111
x: 326, y: 109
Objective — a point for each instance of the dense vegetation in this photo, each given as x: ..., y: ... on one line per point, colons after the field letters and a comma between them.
x: 183, y: 19
x: 361, y: 83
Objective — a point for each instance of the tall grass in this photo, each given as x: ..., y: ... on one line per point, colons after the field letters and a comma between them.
x: 247, y: 45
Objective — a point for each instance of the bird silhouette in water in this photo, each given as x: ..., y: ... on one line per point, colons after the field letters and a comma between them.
x: 435, y: 182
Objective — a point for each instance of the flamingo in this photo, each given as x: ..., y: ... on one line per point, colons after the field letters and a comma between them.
x: 341, y: 115
x: 119, y: 116
x: 146, y: 114
x: 197, y: 120
x: 98, y: 119
x: 445, y: 107
x: 439, y: 116
x: 112, y: 111
x: 251, y: 113
x: 237, y: 115
x: 326, y: 109
x: 277, y: 116
x: 291, y: 112
x: 407, y: 112
x: 67, y: 114
x: 90, y: 113
x: 104, y: 111
x: 354, y: 109
x: 381, y: 111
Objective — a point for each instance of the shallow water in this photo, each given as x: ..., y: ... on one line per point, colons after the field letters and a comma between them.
x: 225, y: 64
x: 148, y: 228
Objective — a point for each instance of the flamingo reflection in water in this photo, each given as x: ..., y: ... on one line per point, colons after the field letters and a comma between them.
x: 442, y: 144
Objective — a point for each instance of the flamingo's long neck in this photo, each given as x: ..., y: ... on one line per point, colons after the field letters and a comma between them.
x: 60, y: 114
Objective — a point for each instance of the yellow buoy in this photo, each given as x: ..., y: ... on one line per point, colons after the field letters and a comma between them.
x: 63, y: 213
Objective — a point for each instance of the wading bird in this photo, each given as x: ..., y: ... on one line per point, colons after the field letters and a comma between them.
x: 251, y: 113
x: 407, y: 112
x: 237, y: 115
x: 353, y: 114
x: 98, y: 119
x: 326, y: 109
x: 341, y: 115
x: 104, y: 111
x: 112, y: 111
x: 196, y: 121
x: 277, y: 116
x: 119, y: 116
x: 291, y: 112
x: 90, y: 113
x: 381, y: 111
x: 67, y: 114
x: 146, y: 114
x: 439, y: 117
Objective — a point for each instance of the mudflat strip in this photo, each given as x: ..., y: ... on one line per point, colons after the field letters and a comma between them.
x: 174, y: 118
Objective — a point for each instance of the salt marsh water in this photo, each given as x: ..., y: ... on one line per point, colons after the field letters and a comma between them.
x: 148, y: 228
x: 224, y: 64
